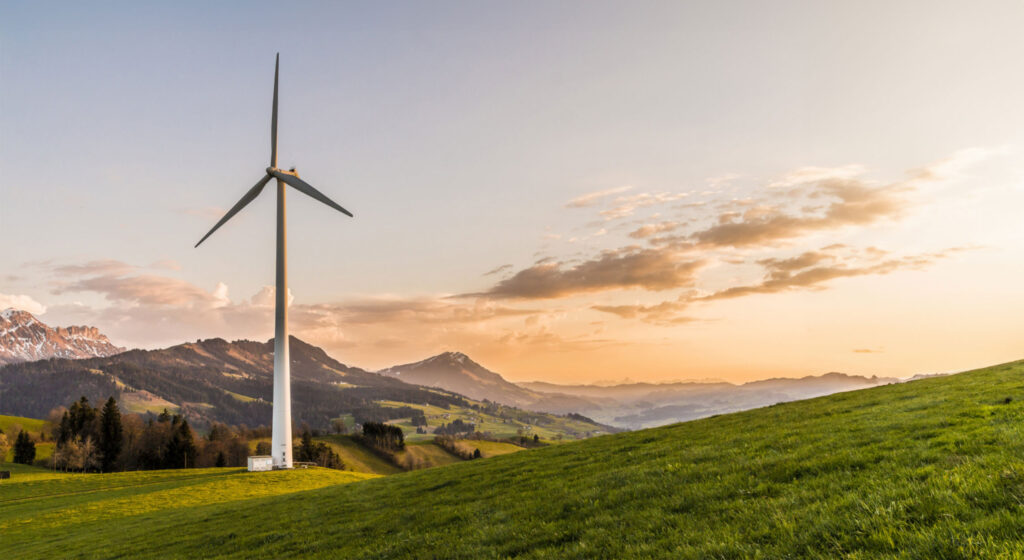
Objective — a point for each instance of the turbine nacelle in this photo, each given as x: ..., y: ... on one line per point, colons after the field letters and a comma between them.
x: 292, y: 171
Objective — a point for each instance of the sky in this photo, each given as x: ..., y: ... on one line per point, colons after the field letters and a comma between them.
x: 573, y: 192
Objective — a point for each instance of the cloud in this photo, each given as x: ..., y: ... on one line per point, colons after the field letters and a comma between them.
x: 812, y: 269
x: 851, y: 202
x: 866, y: 351
x: 498, y: 270
x: 592, y: 198
x: 104, y: 266
x: 806, y: 175
x: 664, y: 313
x: 626, y: 205
x: 149, y: 290
x: 22, y: 302
x: 650, y: 269
x: 649, y: 230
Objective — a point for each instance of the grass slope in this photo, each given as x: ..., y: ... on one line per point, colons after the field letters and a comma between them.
x: 516, y: 420
x: 48, y: 504
x: 427, y: 454
x: 929, y: 469
x: 356, y: 457
x: 9, y: 423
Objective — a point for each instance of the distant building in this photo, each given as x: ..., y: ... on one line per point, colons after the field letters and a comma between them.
x: 261, y: 463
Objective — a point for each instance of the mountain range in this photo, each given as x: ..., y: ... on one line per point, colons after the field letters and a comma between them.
x: 214, y: 380
x: 23, y: 338
x: 233, y: 382
x: 627, y: 405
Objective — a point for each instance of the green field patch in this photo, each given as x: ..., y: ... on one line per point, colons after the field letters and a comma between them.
x: 242, y: 398
x: 489, y: 448
x: 356, y: 457
x: 141, y: 402
x: 9, y: 423
x: 425, y: 455
x: 62, y: 503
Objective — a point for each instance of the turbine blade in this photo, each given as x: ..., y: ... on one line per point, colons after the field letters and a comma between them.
x: 308, y: 189
x: 249, y: 196
x: 273, y: 117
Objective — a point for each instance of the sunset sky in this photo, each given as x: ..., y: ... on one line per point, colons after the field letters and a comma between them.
x: 565, y: 191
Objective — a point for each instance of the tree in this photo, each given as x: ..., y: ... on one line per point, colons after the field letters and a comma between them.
x: 339, y: 426
x: 305, y: 452
x: 221, y: 460
x: 181, y: 449
x: 4, y: 446
x: 111, y: 435
x: 476, y: 453
x: 536, y: 438
x: 24, y: 449
x: 263, y: 448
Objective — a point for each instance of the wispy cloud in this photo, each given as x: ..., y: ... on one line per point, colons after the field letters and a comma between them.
x: 498, y: 269
x: 592, y: 198
x: 653, y: 269
x: 626, y: 205
x: 22, y: 302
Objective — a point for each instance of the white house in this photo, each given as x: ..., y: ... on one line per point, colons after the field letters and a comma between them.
x: 261, y: 463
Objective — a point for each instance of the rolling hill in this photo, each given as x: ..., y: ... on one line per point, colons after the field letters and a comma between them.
x: 232, y: 382
x: 928, y: 469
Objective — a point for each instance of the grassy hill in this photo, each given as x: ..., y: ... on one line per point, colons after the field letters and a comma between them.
x: 498, y: 420
x: 929, y: 469
x: 10, y: 425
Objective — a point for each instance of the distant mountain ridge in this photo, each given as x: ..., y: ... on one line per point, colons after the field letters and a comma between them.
x: 232, y: 382
x: 24, y: 338
x: 629, y: 405
x: 214, y: 380
x: 644, y: 405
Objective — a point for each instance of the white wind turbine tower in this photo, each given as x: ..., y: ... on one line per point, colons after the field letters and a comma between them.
x: 281, y: 437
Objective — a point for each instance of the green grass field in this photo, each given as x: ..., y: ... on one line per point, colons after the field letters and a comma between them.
x: 929, y: 469
x: 9, y: 425
x: 489, y: 448
x: 560, y: 428
x: 427, y: 454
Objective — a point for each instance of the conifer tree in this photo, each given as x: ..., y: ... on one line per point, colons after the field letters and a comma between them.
x: 24, y: 449
x: 111, y: 435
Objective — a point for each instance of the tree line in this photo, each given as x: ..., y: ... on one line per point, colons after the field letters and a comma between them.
x: 89, y: 439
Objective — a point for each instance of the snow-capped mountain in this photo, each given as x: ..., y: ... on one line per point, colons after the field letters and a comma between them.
x: 23, y: 338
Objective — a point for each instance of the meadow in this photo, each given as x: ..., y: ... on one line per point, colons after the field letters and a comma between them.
x: 928, y: 469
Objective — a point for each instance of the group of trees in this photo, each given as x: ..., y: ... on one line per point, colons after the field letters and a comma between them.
x: 320, y: 453
x: 454, y: 428
x: 383, y: 436
x: 89, y: 439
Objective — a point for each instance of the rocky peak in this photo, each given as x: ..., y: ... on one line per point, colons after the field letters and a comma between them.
x: 25, y: 338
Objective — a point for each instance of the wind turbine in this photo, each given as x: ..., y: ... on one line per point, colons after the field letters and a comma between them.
x: 281, y: 436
